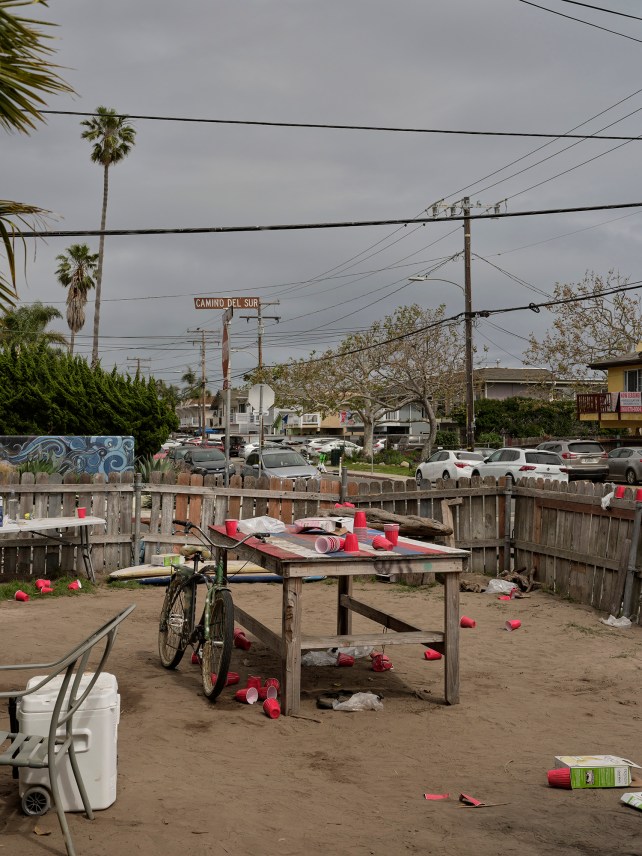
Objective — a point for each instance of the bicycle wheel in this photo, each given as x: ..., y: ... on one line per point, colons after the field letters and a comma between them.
x: 175, y: 624
x: 217, y: 650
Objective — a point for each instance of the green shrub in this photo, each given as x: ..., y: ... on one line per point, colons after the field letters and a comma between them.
x: 490, y: 438
x: 447, y: 439
x: 44, y: 464
x: 147, y: 466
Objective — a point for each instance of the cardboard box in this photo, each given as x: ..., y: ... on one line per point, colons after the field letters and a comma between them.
x: 165, y: 559
x: 597, y: 771
x: 633, y: 799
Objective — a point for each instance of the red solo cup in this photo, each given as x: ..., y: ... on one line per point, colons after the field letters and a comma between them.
x: 238, y: 630
x: 345, y: 660
x: 272, y: 682
x: 559, y: 778
x: 360, y: 521
x: 75, y: 585
x: 196, y: 660
x: 465, y: 621
x: 327, y: 544
x: 46, y: 590
x: 254, y: 681
x: 272, y: 708
x: 513, y: 624
x: 504, y: 597
x: 431, y: 654
x: 638, y: 495
x: 351, y: 543
x: 231, y: 527
x: 349, y: 504
x: 241, y: 641
x: 81, y: 512
x: 619, y: 491
x: 21, y: 595
x: 267, y: 692
x: 41, y: 583
x: 232, y: 678
x: 381, y: 663
x: 249, y: 695
x: 391, y: 532
x: 380, y: 542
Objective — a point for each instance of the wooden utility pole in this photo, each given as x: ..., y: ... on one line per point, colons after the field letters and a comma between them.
x: 138, y: 360
x: 260, y: 326
x: 468, y: 326
x: 203, y: 378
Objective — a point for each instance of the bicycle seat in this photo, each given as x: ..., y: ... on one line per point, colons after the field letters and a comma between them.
x: 191, y: 552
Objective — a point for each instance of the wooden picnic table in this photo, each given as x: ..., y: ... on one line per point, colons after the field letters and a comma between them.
x: 292, y: 556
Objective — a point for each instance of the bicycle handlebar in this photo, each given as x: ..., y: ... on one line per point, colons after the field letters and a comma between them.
x: 187, y: 525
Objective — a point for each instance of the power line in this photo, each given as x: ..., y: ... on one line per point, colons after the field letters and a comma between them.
x: 327, y: 126
x: 341, y: 224
x: 602, y: 9
x: 579, y: 20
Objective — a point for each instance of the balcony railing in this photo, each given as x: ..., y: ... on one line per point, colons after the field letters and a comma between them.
x: 596, y: 402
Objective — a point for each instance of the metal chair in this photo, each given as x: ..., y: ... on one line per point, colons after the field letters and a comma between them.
x: 50, y: 752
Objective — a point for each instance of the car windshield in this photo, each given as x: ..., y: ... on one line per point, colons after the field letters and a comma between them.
x: 284, y: 458
x: 543, y: 458
x: 469, y: 456
x: 180, y: 453
x: 201, y: 455
x: 585, y: 448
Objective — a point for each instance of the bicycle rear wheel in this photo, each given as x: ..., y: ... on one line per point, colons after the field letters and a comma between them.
x: 175, y: 623
x: 217, y: 650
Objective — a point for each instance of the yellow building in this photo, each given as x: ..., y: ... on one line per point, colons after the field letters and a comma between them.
x: 621, y: 406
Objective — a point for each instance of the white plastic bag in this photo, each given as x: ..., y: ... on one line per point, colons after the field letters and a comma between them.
x: 605, y: 502
x: 612, y: 621
x: 357, y: 653
x: 499, y: 587
x: 261, y: 524
x: 319, y: 658
x: 359, y: 701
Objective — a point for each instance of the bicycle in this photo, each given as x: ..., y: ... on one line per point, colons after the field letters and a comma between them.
x: 212, y: 638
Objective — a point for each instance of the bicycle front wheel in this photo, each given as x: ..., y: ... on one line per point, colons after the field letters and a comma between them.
x: 174, y: 626
x: 217, y: 649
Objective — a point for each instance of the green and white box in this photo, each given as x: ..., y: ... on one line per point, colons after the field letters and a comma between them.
x: 633, y: 799
x: 597, y: 771
x: 165, y: 559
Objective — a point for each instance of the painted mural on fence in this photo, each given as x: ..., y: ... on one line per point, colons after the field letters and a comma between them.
x: 72, y: 454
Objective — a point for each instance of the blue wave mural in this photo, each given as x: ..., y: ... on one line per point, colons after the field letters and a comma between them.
x: 72, y: 454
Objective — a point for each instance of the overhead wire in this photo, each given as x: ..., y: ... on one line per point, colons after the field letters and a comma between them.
x: 580, y: 20
x: 602, y: 9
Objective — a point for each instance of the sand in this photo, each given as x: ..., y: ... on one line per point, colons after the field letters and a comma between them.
x: 196, y: 778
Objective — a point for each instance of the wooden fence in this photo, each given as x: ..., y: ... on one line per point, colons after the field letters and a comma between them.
x: 577, y: 549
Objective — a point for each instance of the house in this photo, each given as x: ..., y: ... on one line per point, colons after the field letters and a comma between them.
x: 620, y: 406
x: 499, y: 383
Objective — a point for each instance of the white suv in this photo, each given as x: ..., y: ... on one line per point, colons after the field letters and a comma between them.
x: 523, y: 463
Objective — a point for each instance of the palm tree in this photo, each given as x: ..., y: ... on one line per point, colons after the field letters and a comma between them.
x: 193, y: 386
x: 75, y: 272
x: 27, y: 325
x: 113, y: 138
x: 25, y: 74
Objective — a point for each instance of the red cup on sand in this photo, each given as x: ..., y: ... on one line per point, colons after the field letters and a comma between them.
x: 559, y: 778
x: 46, y: 590
x: 196, y: 660
x: 254, y: 681
x: 381, y: 663
x: 81, y: 512
x: 249, y: 695
x: 272, y: 682
x: 272, y: 708
x: 351, y: 543
x: 267, y: 692
x: 241, y: 641
x: 380, y: 542
x: 465, y: 621
x: 231, y: 527
x: 75, y: 585
x: 431, y: 654
x: 360, y: 521
x: 504, y: 597
x: 345, y: 660
x: 232, y: 678
x: 513, y: 624
x: 21, y: 595
x: 41, y: 583
x: 391, y: 532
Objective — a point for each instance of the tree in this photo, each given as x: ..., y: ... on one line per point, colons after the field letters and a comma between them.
x: 25, y: 74
x: 75, y: 272
x: 27, y: 325
x: 113, y: 138
x: 587, y: 331
x: 192, y: 386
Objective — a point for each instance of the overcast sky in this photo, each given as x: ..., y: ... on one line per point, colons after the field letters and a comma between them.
x: 496, y: 65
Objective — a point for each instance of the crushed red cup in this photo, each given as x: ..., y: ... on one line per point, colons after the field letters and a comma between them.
x: 345, y: 660
x: 431, y: 654
x: 381, y: 663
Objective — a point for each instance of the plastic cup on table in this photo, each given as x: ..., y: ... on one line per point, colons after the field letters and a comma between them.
x: 465, y: 621
x: 619, y: 491
x: 21, y: 595
x: 559, y: 778
x: 351, y: 543
x: 327, y: 544
x: 360, y: 521
x: 249, y: 695
x: 391, y: 532
x: 81, y: 512
x: 254, y: 681
x: 272, y: 708
x: 361, y: 532
x: 380, y: 542
x: 513, y: 624
x: 231, y: 527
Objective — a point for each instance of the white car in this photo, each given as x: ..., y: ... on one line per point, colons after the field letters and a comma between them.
x: 378, y: 445
x: 315, y: 444
x: 523, y: 463
x: 254, y: 447
x: 448, y: 464
x: 347, y: 448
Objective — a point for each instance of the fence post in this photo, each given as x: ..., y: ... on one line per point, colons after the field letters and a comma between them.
x: 627, y: 606
x: 508, y: 509
x: 343, y: 491
x: 138, y: 486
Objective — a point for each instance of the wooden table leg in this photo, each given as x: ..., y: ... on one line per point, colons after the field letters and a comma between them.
x: 451, y: 628
x: 344, y: 615
x: 291, y: 645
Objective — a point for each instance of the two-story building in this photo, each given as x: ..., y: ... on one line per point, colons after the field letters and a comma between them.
x: 620, y: 405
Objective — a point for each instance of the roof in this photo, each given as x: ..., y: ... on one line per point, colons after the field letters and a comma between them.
x: 633, y: 358
x: 520, y: 375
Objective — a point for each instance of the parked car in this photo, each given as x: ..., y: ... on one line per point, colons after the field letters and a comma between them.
x: 523, y: 463
x: 177, y: 453
x: 248, y: 448
x: 207, y: 462
x: 448, y: 464
x: 625, y: 464
x: 281, y: 463
x: 584, y: 459
x: 346, y: 447
x: 315, y: 443
x: 378, y: 445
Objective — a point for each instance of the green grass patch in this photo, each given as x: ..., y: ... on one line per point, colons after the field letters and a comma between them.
x: 59, y: 585
x: 383, y: 469
x: 126, y: 584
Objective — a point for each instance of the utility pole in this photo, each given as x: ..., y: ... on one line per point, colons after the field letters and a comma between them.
x: 138, y: 360
x: 203, y: 378
x: 260, y: 326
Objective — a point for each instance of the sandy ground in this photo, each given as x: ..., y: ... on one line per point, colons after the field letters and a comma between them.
x: 196, y: 778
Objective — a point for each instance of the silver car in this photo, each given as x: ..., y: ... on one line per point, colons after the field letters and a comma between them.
x: 522, y: 463
x: 281, y: 463
x: 625, y: 464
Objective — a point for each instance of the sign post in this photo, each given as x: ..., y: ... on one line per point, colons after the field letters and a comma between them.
x: 227, y: 386
x: 260, y: 397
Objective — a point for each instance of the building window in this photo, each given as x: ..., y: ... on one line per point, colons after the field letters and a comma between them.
x: 633, y: 381
x: 240, y: 407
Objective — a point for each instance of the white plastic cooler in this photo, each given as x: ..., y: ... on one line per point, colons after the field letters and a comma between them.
x: 95, y: 740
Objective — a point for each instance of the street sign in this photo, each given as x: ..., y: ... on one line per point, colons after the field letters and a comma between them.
x: 227, y: 302
x: 259, y: 394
